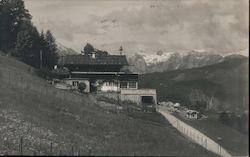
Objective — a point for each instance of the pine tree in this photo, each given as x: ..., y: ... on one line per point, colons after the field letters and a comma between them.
x: 21, y: 38
x: 23, y: 45
x: 36, y: 47
x: 12, y: 16
x: 88, y: 49
x: 49, y: 49
x: 27, y: 45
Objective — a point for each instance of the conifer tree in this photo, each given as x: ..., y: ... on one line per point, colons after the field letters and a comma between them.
x: 49, y: 50
x: 28, y: 45
x: 88, y: 49
x: 12, y: 16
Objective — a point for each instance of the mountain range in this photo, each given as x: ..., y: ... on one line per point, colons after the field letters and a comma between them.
x: 159, y: 62
x: 142, y: 61
x: 63, y: 50
x: 221, y: 86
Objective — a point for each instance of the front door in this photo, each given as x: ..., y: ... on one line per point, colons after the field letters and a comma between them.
x: 93, y: 87
x: 148, y: 103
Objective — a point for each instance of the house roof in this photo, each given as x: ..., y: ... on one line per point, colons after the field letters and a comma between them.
x: 88, y: 60
x: 59, y: 71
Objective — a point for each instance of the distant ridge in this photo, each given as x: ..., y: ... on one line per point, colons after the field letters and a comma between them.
x: 169, y: 61
x: 224, y: 85
x: 63, y: 50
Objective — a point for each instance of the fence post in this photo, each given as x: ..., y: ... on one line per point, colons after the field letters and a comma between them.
x: 60, y: 152
x: 220, y: 150
x: 9, y: 78
x: 39, y: 143
x: 79, y: 152
x: 51, y: 148
x: 206, y: 143
x: 89, y: 152
x: 72, y: 150
x: 21, y: 146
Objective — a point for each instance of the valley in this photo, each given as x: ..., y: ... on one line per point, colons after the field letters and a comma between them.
x: 222, y: 86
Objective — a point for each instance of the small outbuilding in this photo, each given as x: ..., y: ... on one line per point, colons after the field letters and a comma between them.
x: 193, y: 114
x: 144, y: 97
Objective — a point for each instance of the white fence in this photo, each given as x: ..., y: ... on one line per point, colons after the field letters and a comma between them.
x: 194, y: 134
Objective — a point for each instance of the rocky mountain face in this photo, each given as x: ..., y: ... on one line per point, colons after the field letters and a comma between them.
x: 63, y: 50
x: 137, y: 63
x: 160, y: 61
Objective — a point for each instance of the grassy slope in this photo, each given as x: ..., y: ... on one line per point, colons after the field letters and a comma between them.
x: 32, y: 109
x: 227, y: 82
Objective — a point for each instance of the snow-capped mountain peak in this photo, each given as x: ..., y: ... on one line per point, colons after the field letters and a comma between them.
x: 156, y: 58
x: 164, y: 61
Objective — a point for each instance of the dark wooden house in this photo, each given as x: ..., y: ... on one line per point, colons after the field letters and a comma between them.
x: 99, y: 72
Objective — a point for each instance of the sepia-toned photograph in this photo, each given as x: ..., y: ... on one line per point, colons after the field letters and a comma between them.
x: 124, y: 78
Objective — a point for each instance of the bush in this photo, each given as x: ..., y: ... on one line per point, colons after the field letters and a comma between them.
x: 44, y: 73
x: 224, y: 117
x: 81, y: 86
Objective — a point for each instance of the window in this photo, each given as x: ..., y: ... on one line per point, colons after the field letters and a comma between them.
x: 147, y: 99
x: 75, y: 83
x: 123, y: 85
x: 132, y: 84
x: 109, y: 83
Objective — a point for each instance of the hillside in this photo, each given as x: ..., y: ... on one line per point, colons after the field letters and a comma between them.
x: 52, y: 121
x: 222, y: 86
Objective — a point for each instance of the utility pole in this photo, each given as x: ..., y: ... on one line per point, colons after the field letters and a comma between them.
x: 41, y: 59
x: 117, y: 92
x: 21, y: 146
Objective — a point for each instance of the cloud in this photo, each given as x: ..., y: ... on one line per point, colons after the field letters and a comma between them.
x: 213, y: 25
x: 209, y: 25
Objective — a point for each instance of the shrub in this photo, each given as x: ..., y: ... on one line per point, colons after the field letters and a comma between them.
x: 81, y: 86
x: 44, y: 73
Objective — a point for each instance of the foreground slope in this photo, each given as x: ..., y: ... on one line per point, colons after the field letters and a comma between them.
x: 223, y: 86
x: 49, y: 121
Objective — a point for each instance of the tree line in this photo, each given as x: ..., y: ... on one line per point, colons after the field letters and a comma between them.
x: 20, y: 38
x: 239, y: 122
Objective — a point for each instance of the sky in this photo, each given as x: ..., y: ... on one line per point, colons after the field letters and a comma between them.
x: 148, y: 26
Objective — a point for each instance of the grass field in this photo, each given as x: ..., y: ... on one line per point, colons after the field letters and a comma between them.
x: 52, y: 121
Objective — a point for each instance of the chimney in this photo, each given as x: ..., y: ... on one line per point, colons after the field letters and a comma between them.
x: 93, y: 55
